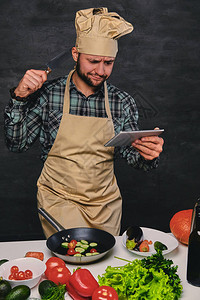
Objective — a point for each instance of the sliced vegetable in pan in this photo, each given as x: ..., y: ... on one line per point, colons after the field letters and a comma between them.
x: 80, y: 248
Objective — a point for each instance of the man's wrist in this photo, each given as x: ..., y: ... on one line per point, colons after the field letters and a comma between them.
x: 13, y: 95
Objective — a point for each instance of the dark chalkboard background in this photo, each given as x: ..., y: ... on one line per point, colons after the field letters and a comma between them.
x: 158, y: 64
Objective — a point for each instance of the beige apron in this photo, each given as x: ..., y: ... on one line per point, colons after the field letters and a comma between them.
x: 77, y: 185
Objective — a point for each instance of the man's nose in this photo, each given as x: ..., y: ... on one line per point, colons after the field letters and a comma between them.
x: 100, y: 69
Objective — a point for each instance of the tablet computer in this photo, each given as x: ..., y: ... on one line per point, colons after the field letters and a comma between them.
x: 125, y: 138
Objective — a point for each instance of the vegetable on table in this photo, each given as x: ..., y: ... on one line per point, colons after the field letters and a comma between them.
x: 144, y: 246
x: 180, y: 225
x: 105, y: 293
x: 2, y: 261
x: 73, y: 293
x: 45, y: 286
x: 35, y: 254
x: 160, y: 246
x: 134, y: 232
x: 134, y: 237
x: 59, y: 275
x: 57, y: 271
x: 20, y: 292
x: 16, y: 274
x: 152, y: 277
x: 28, y: 274
x: 83, y: 282
x: 48, y: 290
x: 130, y: 244
x: 53, y: 262
x: 5, y: 288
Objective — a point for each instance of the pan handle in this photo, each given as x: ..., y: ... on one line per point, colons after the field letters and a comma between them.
x: 50, y: 219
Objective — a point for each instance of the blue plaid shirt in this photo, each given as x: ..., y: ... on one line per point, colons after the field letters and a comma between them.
x: 40, y: 116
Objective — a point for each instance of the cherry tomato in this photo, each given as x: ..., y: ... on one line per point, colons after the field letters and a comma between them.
x: 72, y: 244
x: 104, y: 293
x: 14, y: 269
x: 28, y: 274
x: 11, y: 277
x: 93, y: 250
x: 71, y: 251
x: 53, y: 262
x: 20, y: 275
x: 59, y: 275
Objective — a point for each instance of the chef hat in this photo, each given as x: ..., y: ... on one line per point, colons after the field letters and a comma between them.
x: 98, y: 31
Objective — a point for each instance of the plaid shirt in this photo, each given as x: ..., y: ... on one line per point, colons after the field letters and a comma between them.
x: 40, y: 116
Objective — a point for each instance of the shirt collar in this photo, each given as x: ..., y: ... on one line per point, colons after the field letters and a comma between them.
x: 100, y: 90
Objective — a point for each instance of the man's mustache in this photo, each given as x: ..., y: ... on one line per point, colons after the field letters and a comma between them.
x: 101, y: 76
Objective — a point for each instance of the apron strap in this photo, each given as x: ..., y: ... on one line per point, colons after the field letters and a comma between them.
x: 66, y: 105
x: 107, y: 106
x: 66, y: 100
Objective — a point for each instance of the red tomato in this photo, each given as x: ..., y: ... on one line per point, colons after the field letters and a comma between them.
x: 28, y: 274
x: 53, y: 262
x: 14, y: 269
x: 15, y: 275
x: 71, y: 251
x: 11, y: 277
x: 72, y: 244
x: 105, y: 293
x: 59, y: 275
x: 93, y: 250
x: 20, y: 275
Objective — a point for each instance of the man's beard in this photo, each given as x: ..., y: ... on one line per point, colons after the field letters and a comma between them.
x: 86, y: 79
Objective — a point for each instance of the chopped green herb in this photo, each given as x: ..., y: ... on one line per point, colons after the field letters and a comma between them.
x: 55, y: 293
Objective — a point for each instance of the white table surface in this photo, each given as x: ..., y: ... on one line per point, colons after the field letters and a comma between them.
x: 12, y: 250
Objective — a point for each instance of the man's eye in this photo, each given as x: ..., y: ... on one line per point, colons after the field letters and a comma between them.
x: 108, y: 62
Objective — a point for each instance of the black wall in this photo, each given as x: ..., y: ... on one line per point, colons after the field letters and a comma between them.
x: 158, y: 64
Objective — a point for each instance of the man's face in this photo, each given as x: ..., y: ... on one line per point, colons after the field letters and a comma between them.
x: 94, y: 70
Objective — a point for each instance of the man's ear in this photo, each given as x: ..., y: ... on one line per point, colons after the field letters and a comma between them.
x: 75, y: 54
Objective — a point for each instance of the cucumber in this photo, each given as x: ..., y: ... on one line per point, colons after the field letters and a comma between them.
x: 79, y: 249
x: 95, y: 253
x: 44, y: 287
x: 2, y: 261
x: 78, y: 244
x: 84, y: 242
x: 5, y: 288
x: 93, y: 244
x: 84, y: 246
x: 91, y: 254
x: 65, y: 244
x: 20, y: 292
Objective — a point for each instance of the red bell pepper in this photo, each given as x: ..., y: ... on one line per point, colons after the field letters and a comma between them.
x: 73, y: 294
x: 83, y: 282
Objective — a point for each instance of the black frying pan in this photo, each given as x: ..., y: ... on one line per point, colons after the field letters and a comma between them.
x: 104, y: 240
